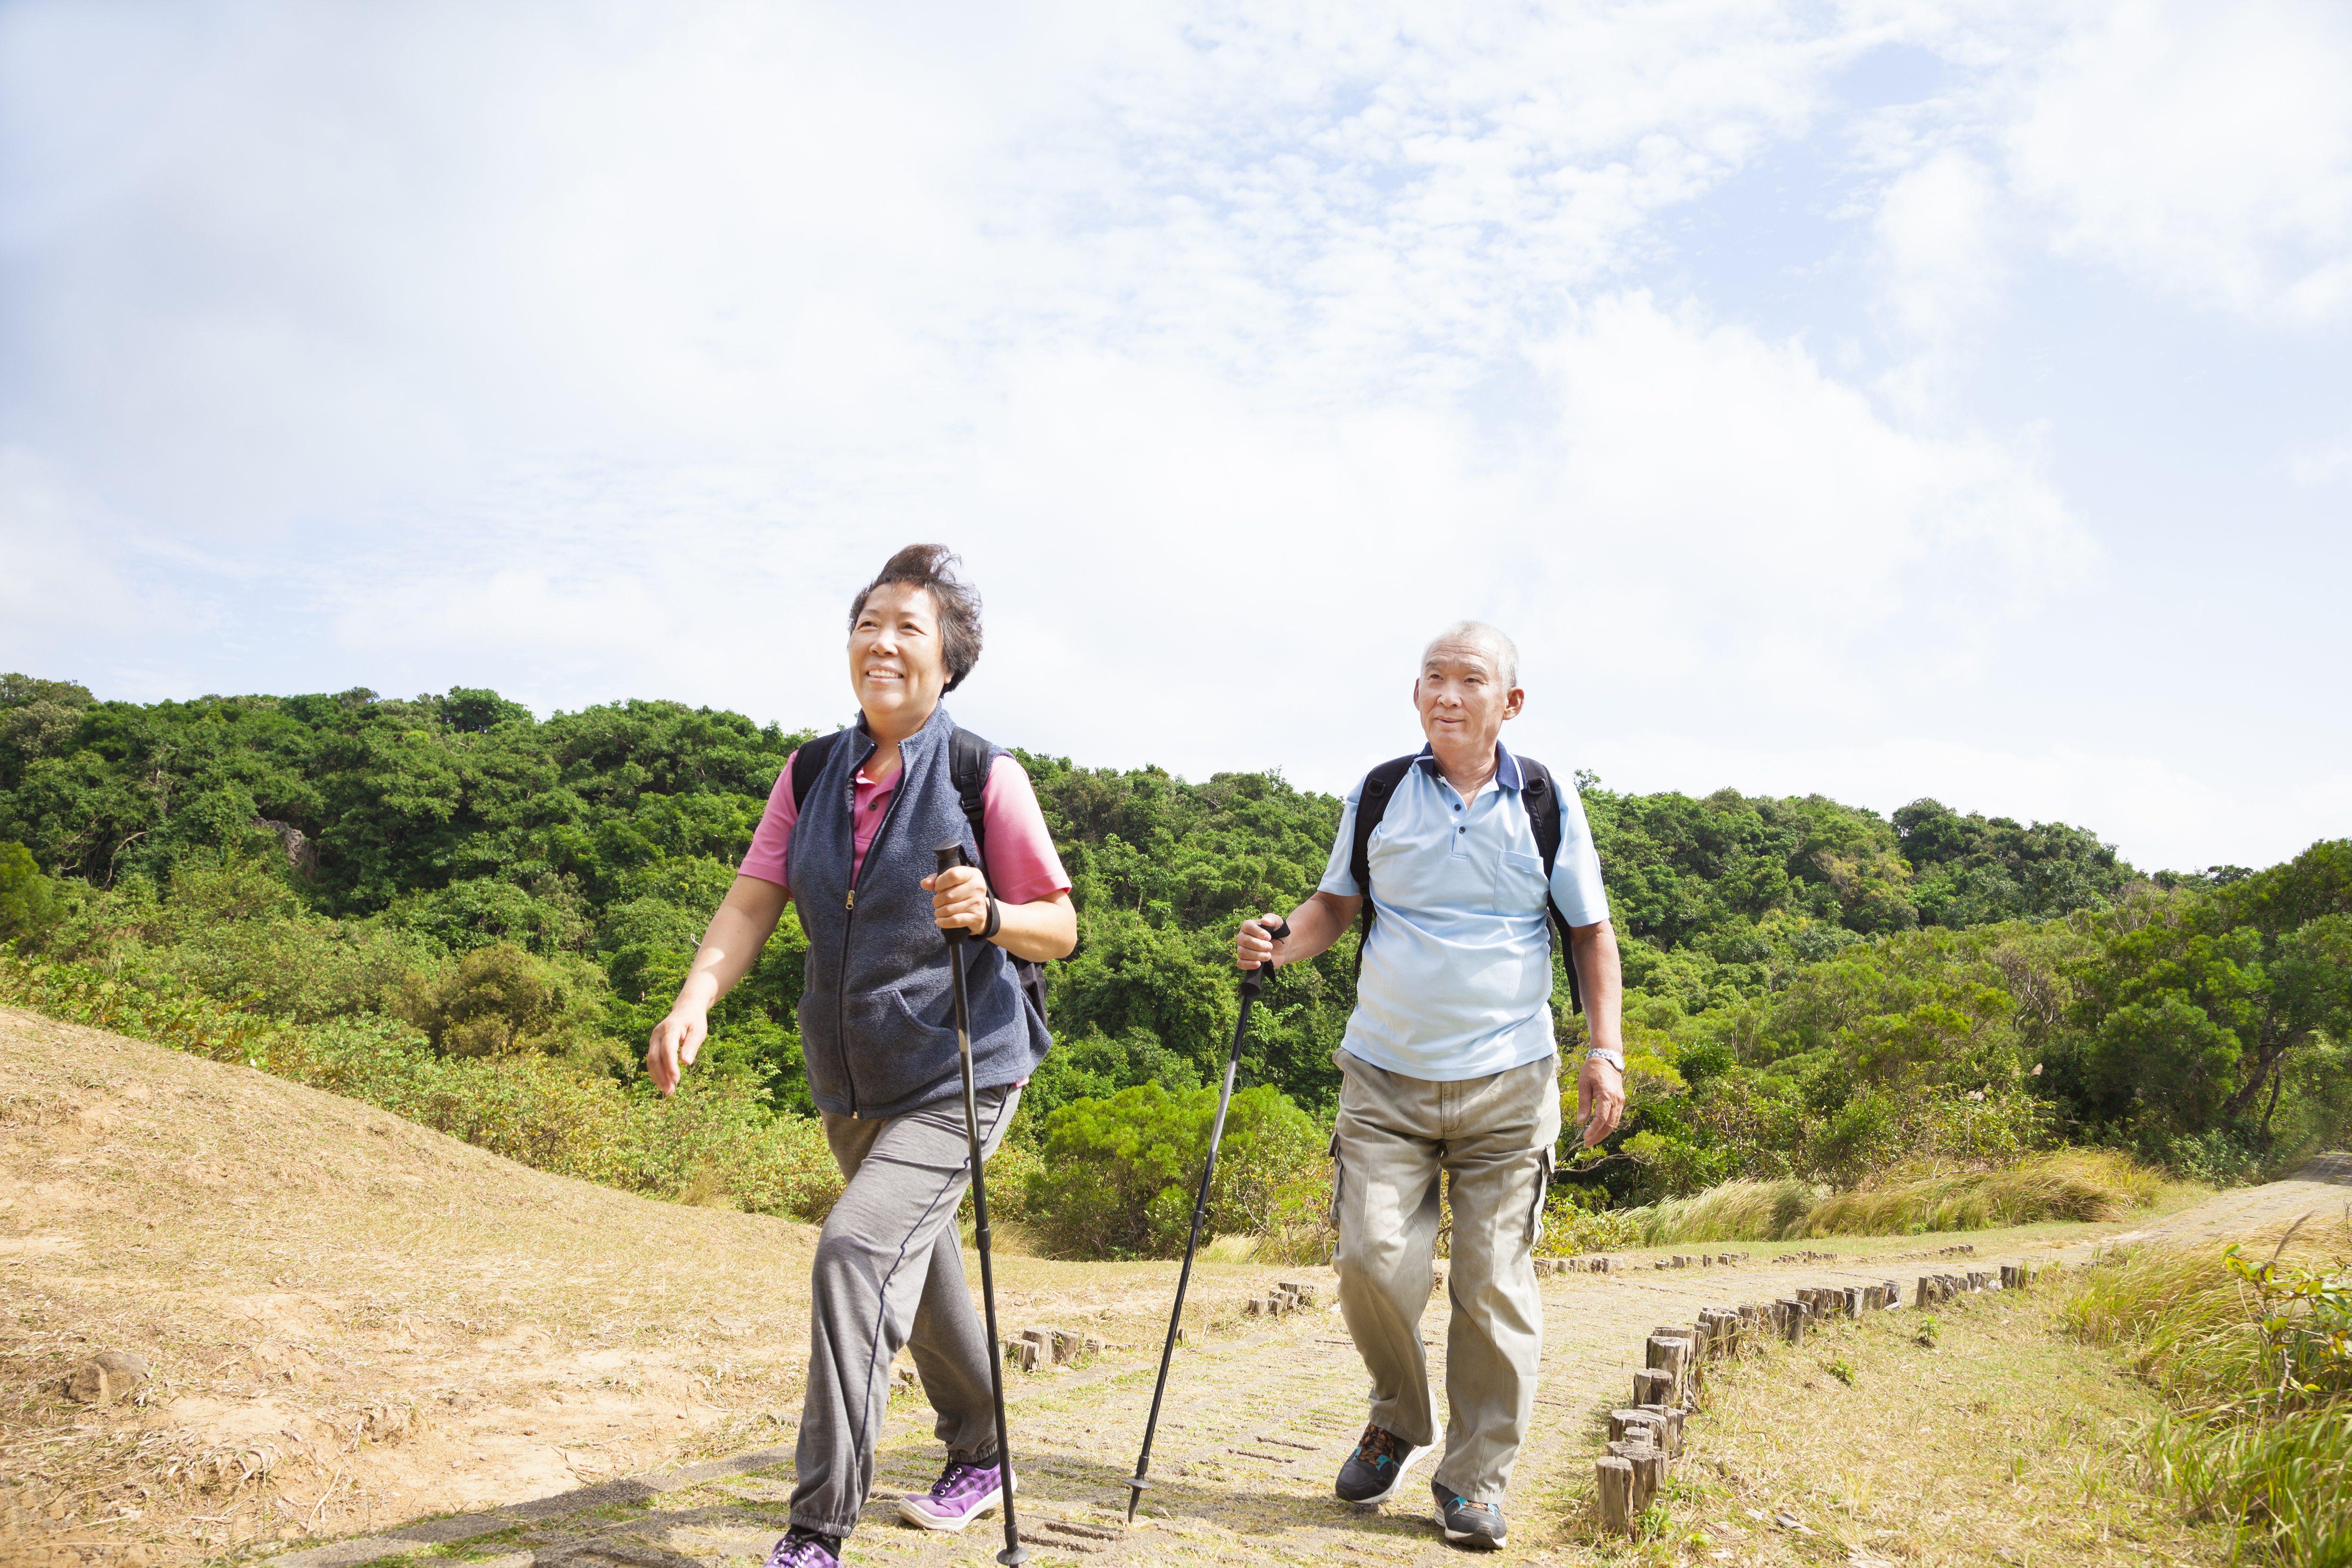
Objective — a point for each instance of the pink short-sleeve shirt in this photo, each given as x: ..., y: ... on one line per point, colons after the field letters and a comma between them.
x: 1023, y: 865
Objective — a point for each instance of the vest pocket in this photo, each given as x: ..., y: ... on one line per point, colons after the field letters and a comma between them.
x: 883, y: 1020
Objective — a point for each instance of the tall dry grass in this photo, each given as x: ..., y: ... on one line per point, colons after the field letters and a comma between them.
x: 2065, y: 1183
x: 2251, y: 1347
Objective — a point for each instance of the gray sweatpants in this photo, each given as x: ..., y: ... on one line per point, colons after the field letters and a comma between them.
x: 1491, y: 1138
x: 889, y: 1272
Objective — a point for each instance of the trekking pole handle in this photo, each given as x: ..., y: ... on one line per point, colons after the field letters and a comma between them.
x: 951, y: 856
x: 1253, y: 980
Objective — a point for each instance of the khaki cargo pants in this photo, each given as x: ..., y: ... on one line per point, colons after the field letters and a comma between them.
x: 1491, y: 1138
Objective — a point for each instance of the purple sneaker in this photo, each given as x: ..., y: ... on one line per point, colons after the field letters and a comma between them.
x: 961, y: 1494
x: 802, y: 1550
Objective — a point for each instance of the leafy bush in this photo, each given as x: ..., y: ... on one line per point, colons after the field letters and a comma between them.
x: 501, y: 1000
x: 1571, y: 1224
x: 1119, y: 1174
x: 28, y: 901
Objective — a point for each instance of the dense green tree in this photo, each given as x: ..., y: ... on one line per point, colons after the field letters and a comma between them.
x: 1814, y: 989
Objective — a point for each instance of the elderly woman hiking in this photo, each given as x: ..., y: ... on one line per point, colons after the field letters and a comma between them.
x: 1449, y: 1069
x: 850, y: 829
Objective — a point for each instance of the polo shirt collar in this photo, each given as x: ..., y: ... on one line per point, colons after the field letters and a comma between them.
x: 1507, y: 767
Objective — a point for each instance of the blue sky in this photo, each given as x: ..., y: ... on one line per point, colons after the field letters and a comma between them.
x: 1885, y: 400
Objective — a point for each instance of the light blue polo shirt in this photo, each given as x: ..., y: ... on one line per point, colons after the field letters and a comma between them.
x: 1457, y: 982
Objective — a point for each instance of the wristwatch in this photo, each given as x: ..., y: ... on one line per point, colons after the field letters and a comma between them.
x: 1602, y: 1053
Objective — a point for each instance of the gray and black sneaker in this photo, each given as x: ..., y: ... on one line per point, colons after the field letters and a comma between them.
x: 1376, y: 1468
x: 1476, y: 1525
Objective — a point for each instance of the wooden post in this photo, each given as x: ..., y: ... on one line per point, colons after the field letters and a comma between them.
x: 1622, y: 1423
x: 1613, y: 1482
x: 1792, y: 1322
x: 1649, y: 1477
x: 1671, y: 1354
x: 1924, y: 1296
x: 1654, y: 1387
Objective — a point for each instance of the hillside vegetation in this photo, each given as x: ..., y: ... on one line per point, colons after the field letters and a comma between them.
x: 473, y: 916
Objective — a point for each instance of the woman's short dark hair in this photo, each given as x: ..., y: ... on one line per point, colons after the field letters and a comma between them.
x: 932, y: 567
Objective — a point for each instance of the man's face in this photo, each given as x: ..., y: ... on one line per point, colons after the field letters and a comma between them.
x: 897, y: 665
x: 1462, y: 698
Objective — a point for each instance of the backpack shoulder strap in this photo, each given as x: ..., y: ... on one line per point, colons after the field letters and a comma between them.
x: 808, y: 762
x: 1540, y: 796
x: 969, y: 759
x: 1372, y: 805
x: 1543, y: 809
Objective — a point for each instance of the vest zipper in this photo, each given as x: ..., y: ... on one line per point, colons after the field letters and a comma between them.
x: 850, y: 904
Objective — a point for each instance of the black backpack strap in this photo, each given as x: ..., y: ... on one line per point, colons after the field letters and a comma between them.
x: 1372, y: 805
x: 970, y: 760
x: 808, y: 762
x: 1539, y: 795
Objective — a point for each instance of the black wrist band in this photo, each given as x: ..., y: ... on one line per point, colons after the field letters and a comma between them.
x: 995, y: 919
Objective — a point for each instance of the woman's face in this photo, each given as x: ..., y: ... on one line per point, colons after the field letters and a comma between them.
x: 897, y: 666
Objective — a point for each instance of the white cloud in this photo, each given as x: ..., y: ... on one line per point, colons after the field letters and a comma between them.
x: 600, y: 352
x: 2204, y: 149
x: 1937, y: 228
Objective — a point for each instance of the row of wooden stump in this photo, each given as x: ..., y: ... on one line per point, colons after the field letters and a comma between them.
x: 1034, y: 1348
x: 1644, y: 1437
x: 1289, y: 1295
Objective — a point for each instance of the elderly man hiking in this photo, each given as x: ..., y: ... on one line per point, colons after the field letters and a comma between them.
x: 1449, y: 1069
x: 850, y: 830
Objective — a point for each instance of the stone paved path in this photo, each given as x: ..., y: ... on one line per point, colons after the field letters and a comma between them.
x: 1254, y: 1430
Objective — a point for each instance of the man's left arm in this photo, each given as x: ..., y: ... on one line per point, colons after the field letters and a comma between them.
x: 1600, y: 1085
x: 1583, y: 906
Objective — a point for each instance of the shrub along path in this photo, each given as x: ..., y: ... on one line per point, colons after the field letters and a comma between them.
x: 1255, y: 1426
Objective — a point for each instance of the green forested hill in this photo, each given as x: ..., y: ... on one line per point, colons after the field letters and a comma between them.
x: 1815, y: 987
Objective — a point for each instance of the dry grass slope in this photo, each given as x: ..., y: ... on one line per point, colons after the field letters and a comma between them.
x: 2066, y: 1184
x: 353, y: 1321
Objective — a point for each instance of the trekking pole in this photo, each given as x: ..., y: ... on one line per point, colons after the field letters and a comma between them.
x: 951, y: 855
x: 1251, y: 984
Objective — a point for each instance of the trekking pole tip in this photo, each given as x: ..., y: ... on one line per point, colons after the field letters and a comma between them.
x: 1014, y: 1556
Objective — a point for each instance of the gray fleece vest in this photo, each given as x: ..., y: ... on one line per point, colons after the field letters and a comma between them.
x: 877, y: 1017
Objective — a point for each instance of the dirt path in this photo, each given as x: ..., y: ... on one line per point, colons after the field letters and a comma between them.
x: 1254, y: 1429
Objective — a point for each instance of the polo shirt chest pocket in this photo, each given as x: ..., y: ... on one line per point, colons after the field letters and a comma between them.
x: 1519, y: 882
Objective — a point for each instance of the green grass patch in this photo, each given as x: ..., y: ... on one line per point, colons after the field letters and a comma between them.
x: 2251, y: 1348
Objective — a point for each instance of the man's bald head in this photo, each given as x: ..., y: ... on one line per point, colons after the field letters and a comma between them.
x: 1498, y: 649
